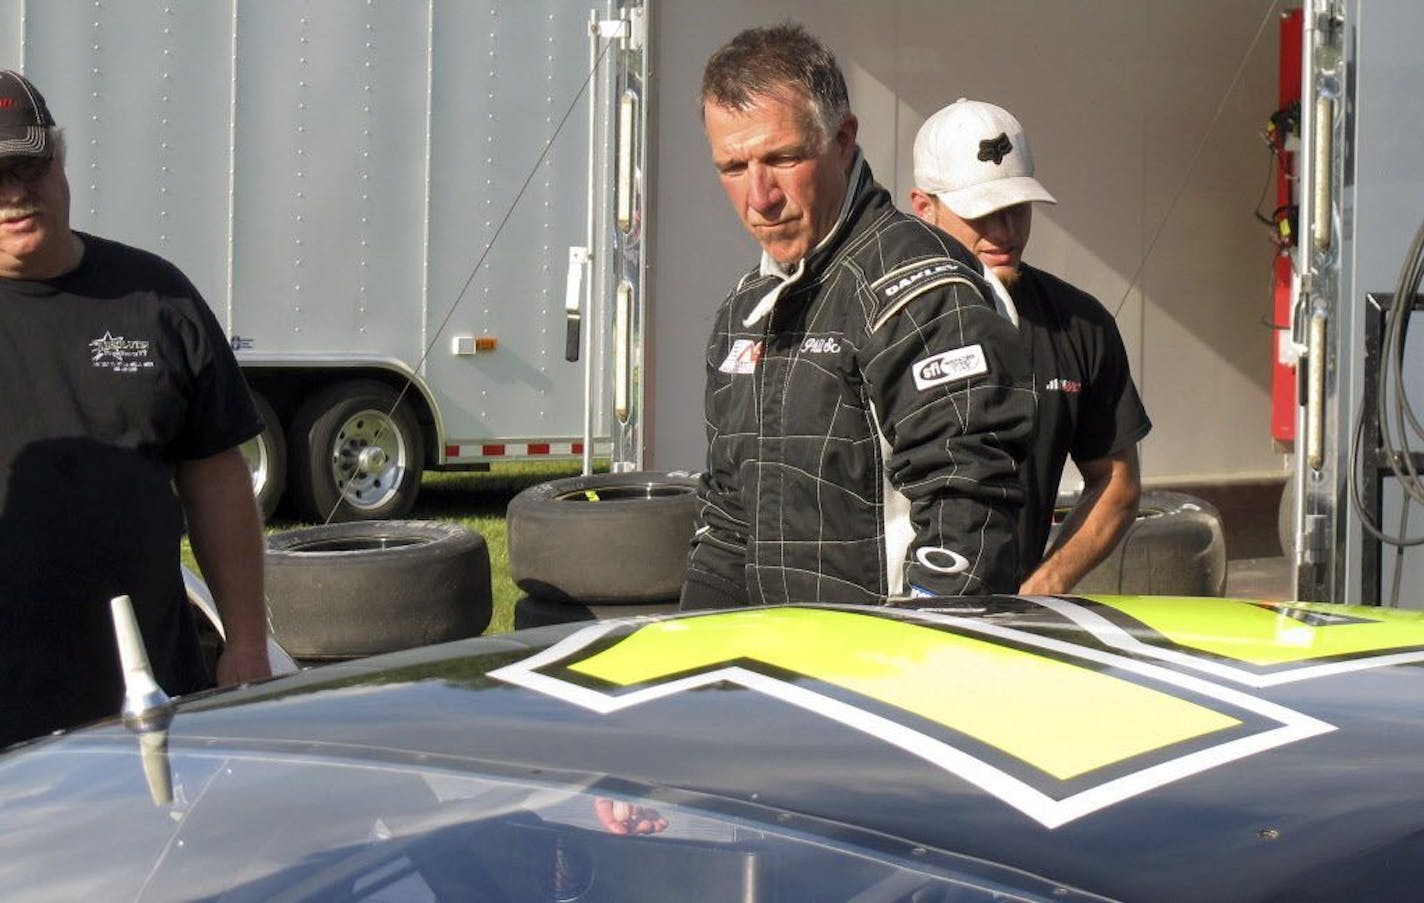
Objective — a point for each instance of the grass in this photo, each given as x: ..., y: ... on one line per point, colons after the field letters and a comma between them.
x: 478, y: 501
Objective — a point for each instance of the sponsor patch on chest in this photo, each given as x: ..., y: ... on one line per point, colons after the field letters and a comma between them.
x: 742, y: 358
x: 950, y: 366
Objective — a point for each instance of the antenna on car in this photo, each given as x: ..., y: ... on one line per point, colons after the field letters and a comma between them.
x: 147, y: 710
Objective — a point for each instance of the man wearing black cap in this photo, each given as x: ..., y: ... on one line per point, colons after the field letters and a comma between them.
x: 974, y: 178
x: 120, y: 389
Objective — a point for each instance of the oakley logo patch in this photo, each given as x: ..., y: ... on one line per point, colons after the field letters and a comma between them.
x: 995, y: 149
x: 962, y: 363
x: 942, y: 561
x: 742, y: 358
x: 917, y: 277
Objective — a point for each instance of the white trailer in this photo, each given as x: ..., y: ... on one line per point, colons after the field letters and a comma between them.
x: 401, y: 212
x: 330, y: 173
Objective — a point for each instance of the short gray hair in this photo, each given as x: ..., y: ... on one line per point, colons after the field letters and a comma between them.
x: 763, y: 62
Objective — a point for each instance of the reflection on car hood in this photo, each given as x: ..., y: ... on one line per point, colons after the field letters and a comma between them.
x: 1140, y: 748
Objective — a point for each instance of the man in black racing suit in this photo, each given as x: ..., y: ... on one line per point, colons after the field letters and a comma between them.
x: 868, y: 399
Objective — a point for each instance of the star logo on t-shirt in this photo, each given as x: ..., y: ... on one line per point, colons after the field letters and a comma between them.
x: 111, y: 352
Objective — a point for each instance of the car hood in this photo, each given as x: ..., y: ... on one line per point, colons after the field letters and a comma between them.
x: 1139, y: 748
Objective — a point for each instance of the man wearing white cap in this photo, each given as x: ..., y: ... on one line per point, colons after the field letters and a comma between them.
x: 126, y: 413
x: 974, y: 178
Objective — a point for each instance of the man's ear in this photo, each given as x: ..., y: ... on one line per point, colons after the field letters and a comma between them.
x: 923, y: 205
x: 845, y: 137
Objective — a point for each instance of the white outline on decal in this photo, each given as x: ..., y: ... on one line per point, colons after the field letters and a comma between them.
x: 1034, y: 803
x: 1118, y: 638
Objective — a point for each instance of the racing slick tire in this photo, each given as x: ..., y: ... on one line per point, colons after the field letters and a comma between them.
x: 347, y: 590
x: 604, y: 538
x: 1175, y: 547
x: 356, y: 454
x: 532, y: 611
x: 266, y: 456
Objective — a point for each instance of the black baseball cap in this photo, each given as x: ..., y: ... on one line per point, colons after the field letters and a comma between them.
x: 24, y: 118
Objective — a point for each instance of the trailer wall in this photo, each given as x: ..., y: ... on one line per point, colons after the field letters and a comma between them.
x: 1141, y: 128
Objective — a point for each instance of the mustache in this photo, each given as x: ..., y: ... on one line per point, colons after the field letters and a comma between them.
x: 18, y: 212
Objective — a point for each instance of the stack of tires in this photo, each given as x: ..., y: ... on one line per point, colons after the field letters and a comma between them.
x: 600, y: 546
x: 349, y: 590
x: 1175, y: 547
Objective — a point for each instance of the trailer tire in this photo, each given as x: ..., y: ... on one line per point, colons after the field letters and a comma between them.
x: 347, y: 590
x: 533, y: 611
x: 266, y: 456
x: 1175, y: 547
x: 605, y: 538
x: 355, y: 435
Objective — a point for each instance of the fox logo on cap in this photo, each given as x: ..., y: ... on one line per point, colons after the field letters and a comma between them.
x: 995, y: 149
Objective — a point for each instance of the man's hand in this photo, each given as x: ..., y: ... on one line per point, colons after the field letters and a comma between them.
x: 618, y: 817
x: 226, y: 533
x: 1111, y: 490
x: 240, y: 665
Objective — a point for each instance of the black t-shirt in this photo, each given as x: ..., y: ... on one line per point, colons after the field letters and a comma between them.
x: 114, y: 373
x: 1087, y: 404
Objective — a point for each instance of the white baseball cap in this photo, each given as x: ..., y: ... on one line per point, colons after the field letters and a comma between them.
x: 974, y: 157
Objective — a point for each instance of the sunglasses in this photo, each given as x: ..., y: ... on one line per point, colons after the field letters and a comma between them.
x: 26, y: 169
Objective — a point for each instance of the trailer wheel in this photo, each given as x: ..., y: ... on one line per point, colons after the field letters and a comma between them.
x: 347, y: 590
x: 604, y: 538
x: 356, y: 454
x: 1175, y: 547
x: 266, y: 456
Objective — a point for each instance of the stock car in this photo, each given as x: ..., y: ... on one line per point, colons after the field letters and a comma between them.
x: 1003, y: 748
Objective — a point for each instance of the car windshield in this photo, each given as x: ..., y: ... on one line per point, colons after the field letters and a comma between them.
x: 98, y: 821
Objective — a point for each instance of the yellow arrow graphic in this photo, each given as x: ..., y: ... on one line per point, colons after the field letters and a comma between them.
x: 1277, y: 634
x: 1064, y: 719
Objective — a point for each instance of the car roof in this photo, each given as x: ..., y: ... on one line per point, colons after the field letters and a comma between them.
x: 1135, y: 747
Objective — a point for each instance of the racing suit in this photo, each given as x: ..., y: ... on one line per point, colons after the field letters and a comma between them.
x: 866, y: 416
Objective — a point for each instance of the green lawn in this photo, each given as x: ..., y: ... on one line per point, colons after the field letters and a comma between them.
x: 477, y: 500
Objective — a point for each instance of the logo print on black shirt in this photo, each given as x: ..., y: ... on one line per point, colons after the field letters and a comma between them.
x: 111, y: 352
